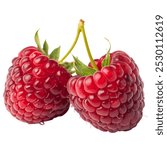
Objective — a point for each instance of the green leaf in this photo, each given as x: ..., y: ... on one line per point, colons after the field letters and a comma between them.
x: 108, y: 43
x: 106, y: 60
x: 55, y: 54
x: 82, y: 69
x: 37, y: 40
x: 69, y: 66
x: 45, y: 47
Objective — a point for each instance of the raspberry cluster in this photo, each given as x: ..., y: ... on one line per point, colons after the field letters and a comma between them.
x: 108, y: 92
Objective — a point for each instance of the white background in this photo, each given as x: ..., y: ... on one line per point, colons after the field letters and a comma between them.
x: 128, y: 24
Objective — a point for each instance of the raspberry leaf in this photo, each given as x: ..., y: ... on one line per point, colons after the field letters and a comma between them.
x: 37, y: 40
x: 106, y: 60
x: 82, y: 69
x: 68, y: 66
x: 55, y: 54
x: 45, y: 47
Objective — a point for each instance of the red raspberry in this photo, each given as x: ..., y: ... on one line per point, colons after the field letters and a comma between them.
x: 112, y: 98
x: 35, y: 90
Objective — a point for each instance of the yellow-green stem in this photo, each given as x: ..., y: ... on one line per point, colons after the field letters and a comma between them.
x: 79, y: 30
x: 87, y: 45
x: 73, y: 45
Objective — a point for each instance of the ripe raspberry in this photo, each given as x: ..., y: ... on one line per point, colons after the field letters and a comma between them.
x: 112, y: 98
x: 35, y: 89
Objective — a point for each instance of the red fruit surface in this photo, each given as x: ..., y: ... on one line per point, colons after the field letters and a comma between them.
x: 111, y: 99
x: 35, y: 89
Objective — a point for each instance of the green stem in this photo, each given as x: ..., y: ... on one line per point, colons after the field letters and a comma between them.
x: 73, y: 45
x: 87, y: 45
x: 79, y: 30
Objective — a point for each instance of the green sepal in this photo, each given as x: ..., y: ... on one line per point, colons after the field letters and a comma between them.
x: 82, y: 69
x: 37, y: 40
x: 106, y: 60
x: 108, y: 43
x: 55, y: 54
x: 68, y: 66
x: 45, y: 47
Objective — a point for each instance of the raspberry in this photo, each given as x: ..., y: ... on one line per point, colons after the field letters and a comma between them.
x: 35, y: 89
x: 112, y: 98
